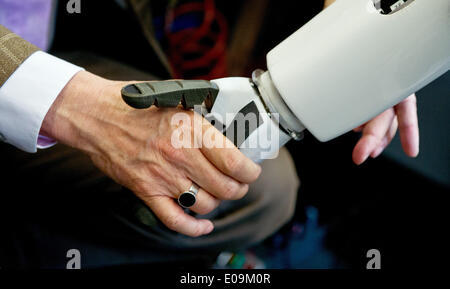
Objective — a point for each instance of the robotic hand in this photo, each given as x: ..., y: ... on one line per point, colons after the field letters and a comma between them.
x: 373, y: 54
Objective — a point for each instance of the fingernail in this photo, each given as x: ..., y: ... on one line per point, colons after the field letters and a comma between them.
x: 364, y: 158
x: 415, y: 151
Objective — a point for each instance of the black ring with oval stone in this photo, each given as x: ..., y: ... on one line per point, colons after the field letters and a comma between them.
x: 188, y: 198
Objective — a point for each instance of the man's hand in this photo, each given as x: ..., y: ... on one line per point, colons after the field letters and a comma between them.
x: 134, y: 148
x: 378, y: 132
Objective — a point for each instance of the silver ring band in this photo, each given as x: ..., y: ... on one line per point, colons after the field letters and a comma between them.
x: 188, y: 198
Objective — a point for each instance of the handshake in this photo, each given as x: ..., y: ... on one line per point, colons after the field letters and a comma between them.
x: 329, y: 77
x: 135, y: 147
x: 233, y: 106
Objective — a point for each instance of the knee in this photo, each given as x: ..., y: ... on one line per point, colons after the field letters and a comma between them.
x: 276, y: 190
x: 287, y: 183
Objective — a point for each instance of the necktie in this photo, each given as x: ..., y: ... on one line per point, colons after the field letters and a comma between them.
x: 29, y: 19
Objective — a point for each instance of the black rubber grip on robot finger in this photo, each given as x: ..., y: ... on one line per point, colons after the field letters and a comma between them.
x: 170, y: 93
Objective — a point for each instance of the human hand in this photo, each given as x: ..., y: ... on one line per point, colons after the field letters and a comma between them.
x: 378, y: 132
x: 134, y: 148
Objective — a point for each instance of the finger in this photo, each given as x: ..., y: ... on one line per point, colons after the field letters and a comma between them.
x: 373, y: 133
x: 408, y: 125
x: 205, y: 202
x: 225, y: 156
x: 208, y: 177
x: 173, y: 216
x: 359, y: 128
x: 363, y: 148
x: 386, y: 139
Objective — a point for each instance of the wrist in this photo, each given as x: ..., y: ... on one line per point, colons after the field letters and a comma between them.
x: 77, y: 115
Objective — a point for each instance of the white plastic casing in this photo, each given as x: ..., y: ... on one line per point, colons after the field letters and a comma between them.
x: 351, y: 62
x: 234, y: 94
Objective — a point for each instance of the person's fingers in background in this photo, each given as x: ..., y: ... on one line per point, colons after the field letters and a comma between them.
x: 408, y: 125
x: 372, y: 136
x: 386, y: 139
x: 373, y: 141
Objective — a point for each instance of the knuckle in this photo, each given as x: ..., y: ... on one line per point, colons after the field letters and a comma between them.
x: 187, y: 120
x: 243, y: 191
x: 255, y: 175
x: 233, y: 164
x: 196, y: 232
x: 169, y: 152
x: 206, y: 209
x: 230, y: 191
x: 410, y: 101
x: 408, y: 126
x: 162, y: 144
x: 145, y: 185
x: 203, y: 210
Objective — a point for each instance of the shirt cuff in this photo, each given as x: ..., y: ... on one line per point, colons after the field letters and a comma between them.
x: 26, y: 97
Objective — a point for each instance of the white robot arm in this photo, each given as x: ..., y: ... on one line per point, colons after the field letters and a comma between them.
x: 347, y: 65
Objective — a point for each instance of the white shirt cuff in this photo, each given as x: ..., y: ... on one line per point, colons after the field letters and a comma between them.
x: 26, y: 97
